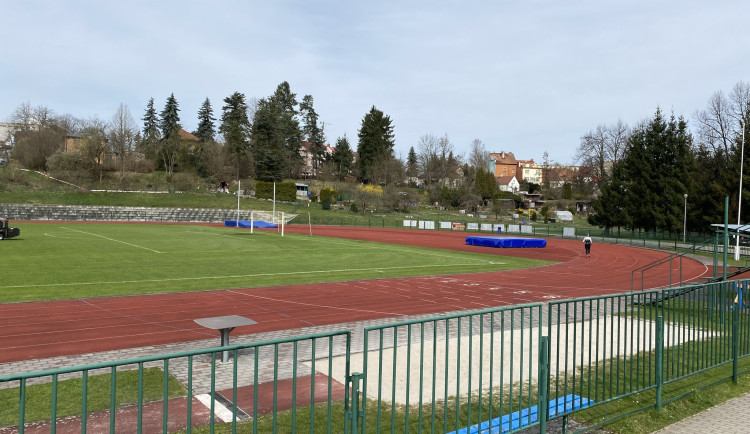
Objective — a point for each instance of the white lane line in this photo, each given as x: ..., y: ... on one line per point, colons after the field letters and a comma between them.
x: 236, y: 276
x: 111, y: 239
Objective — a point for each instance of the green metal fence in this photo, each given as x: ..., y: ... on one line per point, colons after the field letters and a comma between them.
x: 171, y: 392
x: 502, y: 369
x: 442, y: 374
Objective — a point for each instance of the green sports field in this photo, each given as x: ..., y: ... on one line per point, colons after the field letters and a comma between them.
x: 71, y: 260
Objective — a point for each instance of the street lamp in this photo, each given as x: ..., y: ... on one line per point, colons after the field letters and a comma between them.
x: 739, y: 200
x: 684, y: 222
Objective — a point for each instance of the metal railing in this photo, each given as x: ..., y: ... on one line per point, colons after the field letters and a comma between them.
x: 506, y: 369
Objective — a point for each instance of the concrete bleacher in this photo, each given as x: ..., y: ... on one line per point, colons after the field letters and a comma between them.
x: 39, y: 212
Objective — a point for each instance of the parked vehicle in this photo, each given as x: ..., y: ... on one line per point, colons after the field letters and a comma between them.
x: 6, y: 231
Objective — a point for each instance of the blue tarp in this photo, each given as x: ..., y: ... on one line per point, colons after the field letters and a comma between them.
x: 247, y: 224
x: 500, y: 242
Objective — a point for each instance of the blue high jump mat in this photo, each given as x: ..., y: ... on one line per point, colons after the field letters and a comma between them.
x: 527, y: 416
x: 248, y: 223
x: 505, y: 242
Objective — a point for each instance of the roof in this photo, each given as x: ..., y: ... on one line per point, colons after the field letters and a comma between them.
x: 188, y: 136
x: 504, y: 157
x: 505, y: 180
x: 733, y: 228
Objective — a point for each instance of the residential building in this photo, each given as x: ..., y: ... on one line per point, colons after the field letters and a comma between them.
x: 503, y: 164
x: 530, y: 171
x: 508, y: 183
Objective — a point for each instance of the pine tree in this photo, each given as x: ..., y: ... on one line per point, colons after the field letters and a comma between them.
x: 343, y: 158
x: 235, y: 126
x: 206, y: 130
x: 276, y: 136
x: 169, y: 146
x: 647, y: 186
x: 412, y: 167
x: 170, y: 118
x: 150, y: 122
x: 149, y: 142
x: 312, y: 133
x: 376, y: 142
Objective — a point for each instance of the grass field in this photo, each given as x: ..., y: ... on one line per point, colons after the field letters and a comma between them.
x: 57, y: 260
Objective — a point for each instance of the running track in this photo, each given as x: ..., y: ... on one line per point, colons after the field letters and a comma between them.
x: 59, y: 328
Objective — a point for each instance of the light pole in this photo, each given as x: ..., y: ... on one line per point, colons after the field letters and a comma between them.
x: 739, y: 199
x: 684, y: 221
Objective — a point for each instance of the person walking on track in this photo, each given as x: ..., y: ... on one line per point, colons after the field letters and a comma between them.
x: 587, y: 244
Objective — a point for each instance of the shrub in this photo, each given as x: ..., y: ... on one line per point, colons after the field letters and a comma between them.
x: 327, y: 195
x: 286, y: 191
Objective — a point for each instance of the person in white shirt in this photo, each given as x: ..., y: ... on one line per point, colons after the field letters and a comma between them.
x: 587, y: 244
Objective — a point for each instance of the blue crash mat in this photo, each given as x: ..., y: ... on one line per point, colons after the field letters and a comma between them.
x: 247, y: 224
x: 505, y: 242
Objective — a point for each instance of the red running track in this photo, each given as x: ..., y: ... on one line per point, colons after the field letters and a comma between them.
x: 48, y: 329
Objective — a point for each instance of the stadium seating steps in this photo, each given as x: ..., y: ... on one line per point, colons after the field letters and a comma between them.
x: 117, y: 213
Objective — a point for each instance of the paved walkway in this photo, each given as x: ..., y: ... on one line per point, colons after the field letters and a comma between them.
x: 726, y: 418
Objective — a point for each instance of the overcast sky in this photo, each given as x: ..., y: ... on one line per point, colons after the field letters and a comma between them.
x: 522, y: 76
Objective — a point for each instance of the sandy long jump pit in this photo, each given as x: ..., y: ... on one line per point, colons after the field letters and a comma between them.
x: 503, y: 359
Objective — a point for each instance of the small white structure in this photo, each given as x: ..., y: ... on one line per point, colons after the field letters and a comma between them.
x: 564, y: 216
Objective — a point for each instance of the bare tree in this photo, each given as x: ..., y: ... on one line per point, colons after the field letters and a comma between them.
x: 722, y: 120
x: 427, y: 155
x: 446, y: 160
x: 122, y: 133
x: 601, y: 148
x: 479, y: 157
x: 715, y: 124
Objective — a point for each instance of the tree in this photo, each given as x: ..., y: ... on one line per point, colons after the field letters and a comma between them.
x: 412, y: 168
x: 602, y: 148
x: 342, y: 158
x: 485, y: 184
x: 427, y: 157
x: 268, y: 142
x: 122, y: 133
x: 38, y: 134
x: 276, y: 136
x: 291, y: 134
x: 94, y: 146
x: 169, y: 146
x: 206, y: 130
x: 235, y: 127
x: 312, y: 133
x: 151, y: 135
x: 648, y: 184
x: 376, y: 142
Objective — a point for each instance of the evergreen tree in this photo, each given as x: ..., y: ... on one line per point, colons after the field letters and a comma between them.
x: 648, y: 185
x: 376, y: 142
x: 343, y: 158
x: 412, y: 164
x: 235, y: 126
x: 206, y: 130
x: 276, y: 136
x: 151, y: 134
x: 312, y: 133
x: 170, y: 118
x: 169, y: 146
x: 268, y: 142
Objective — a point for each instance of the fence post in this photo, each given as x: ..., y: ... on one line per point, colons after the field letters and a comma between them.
x: 353, y: 414
x: 543, y: 400
x: 735, y: 337
x: 659, y: 359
